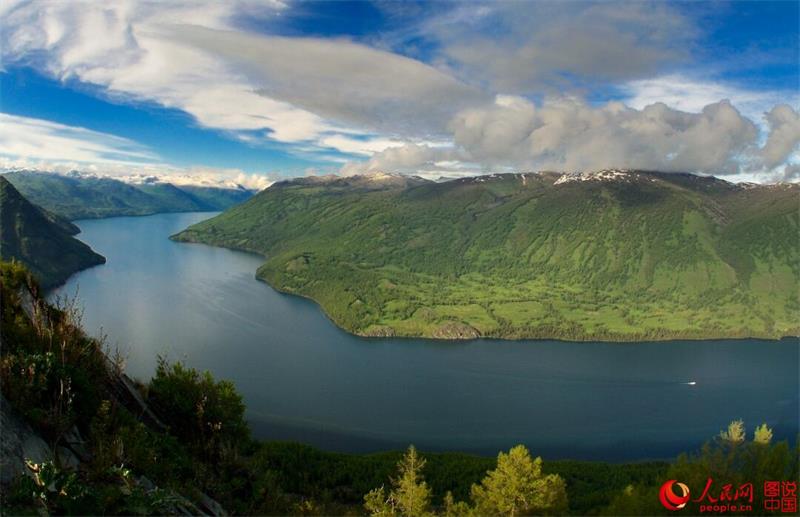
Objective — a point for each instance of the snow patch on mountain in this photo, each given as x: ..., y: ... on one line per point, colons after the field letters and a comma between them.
x: 601, y: 175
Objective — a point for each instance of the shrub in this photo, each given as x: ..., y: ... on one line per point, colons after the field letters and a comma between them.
x: 207, y: 414
x: 49, y: 368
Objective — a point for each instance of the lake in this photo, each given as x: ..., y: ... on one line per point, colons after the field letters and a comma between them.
x: 304, y: 379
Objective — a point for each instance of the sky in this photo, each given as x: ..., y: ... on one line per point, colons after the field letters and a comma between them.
x: 252, y: 91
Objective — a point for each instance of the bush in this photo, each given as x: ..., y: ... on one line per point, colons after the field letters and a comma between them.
x: 49, y: 368
x: 207, y: 414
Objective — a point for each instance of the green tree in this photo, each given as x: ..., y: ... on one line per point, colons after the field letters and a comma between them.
x: 453, y: 508
x: 206, y: 413
x: 518, y: 487
x: 726, y: 459
x: 735, y: 432
x: 763, y: 434
x: 410, y: 496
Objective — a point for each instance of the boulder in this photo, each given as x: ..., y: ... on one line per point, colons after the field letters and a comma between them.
x: 18, y: 442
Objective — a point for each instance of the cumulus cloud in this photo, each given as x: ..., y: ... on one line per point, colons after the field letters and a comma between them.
x: 792, y: 172
x: 202, y: 176
x: 692, y: 95
x: 409, y: 158
x: 567, y: 134
x: 784, y: 135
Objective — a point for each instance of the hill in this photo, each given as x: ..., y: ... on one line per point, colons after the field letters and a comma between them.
x: 40, y: 240
x: 82, y: 197
x: 611, y: 255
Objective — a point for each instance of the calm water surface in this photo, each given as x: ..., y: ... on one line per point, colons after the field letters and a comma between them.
x: 304, y: 379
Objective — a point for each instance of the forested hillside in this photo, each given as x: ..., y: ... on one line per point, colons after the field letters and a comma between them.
x: 42, y: 241
x: 78, y: 197
x: 616, y: 255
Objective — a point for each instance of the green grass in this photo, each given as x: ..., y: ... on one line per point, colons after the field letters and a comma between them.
x: 660, y: 256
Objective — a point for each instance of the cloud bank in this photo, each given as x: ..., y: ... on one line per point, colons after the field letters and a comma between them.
x: 567, y: 134
x: 501, y: 86
x: 23, y: 136
x: 557, y: 45
x: 29, y: 143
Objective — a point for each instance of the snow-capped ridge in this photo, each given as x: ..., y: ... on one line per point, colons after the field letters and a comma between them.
x: 601, y: 175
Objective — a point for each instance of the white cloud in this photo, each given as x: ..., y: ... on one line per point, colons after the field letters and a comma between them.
x: 29, y: 143
x: 24, y: 137
x: 343, y: 81
x: 186, y: 55
x: 202, y: 176
x: 784, y: 135
x: 792, y: 172
x: 351, y: 145
x: 325, y: 95
x: 525, y: 47
x: 407, y: 158
x: 686, y: 94
x: 567, y: 134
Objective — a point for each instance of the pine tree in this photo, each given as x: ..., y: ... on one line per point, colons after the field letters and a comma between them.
x: 763, y: 434
x: 410, y: 496
x: 517, y: 486
x: 735, y: 432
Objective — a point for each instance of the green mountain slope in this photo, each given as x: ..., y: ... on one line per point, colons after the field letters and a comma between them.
x: 40, y: 240
x: 612, y: 255
x: 75, y: 197
x: 215, y: 198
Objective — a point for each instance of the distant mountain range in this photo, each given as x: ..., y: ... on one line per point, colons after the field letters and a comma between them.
x: 76, y: 196
x: 42, y: 241
x: 611, y: 255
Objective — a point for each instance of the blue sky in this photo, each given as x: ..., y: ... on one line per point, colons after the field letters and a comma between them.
x: 254, y: 90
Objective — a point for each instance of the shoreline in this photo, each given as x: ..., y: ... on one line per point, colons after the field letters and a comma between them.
x: 621, y: 339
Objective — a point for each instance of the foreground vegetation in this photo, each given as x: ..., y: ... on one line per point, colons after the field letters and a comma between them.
x: 643, y: 256
x: 187, y: 445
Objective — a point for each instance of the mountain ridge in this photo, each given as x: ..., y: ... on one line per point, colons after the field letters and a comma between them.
x: 40, y: 240
x: 76, y: 196
x: 656, y: 256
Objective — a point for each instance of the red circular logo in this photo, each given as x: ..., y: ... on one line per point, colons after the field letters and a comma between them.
x: 670, y: 499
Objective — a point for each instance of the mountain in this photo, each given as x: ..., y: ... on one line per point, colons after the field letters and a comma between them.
x: 40, y: 240
x: 85, y: 197
x: 610, y: 255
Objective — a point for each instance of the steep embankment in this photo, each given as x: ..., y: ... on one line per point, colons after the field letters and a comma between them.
x: 80, y: 197
x: 40, y: 240
x: 616, y: 255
